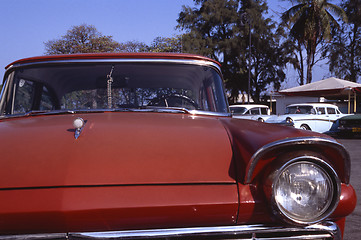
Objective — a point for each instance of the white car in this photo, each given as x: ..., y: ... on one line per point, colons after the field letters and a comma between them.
x: 251, y: 111
x: 317, y: 117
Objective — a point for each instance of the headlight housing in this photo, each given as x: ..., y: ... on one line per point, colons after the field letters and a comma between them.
x: 306, y: 190
x: 289, y: 120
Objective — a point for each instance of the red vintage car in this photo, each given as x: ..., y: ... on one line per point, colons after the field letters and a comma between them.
x: 142, y: 146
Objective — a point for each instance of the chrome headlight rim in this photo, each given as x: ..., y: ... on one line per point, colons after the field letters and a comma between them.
x: 289, y: 120
x: 321, y: 164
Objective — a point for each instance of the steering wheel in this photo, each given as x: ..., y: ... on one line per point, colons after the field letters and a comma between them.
x: 168, y: 101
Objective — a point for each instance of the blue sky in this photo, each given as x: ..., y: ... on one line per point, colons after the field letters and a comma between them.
x: 26, y: 24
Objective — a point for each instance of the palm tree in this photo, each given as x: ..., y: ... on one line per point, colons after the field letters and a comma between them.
x: 311, y: 22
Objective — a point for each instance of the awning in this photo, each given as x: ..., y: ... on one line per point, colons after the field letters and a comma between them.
x: 323, y: 88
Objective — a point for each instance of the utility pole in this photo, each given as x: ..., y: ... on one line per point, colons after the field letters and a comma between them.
x: 244, y: 20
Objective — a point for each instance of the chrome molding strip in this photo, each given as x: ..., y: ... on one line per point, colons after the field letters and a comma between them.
x: 119, y: 110
x: 322, y: 230
x: 313, y: 119
x: 207, y: 113
x: 121, y: 60
x: 294, y: 142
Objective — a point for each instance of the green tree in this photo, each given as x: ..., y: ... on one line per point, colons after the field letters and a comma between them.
x: 214, y: 28
x: 134, y: 46
x: 345, y: 51
x: 159, y: 44
x: 311, y: 23
x: 82, y: 39
x: 268, y: 56
x: 166, y: 44
x: 210, y: 31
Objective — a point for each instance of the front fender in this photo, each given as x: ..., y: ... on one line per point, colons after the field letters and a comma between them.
x: 256, y: 144
x: 327, y: 144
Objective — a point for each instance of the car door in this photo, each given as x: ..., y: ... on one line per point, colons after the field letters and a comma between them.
x: 333, y: 115
x: 323, y: 120
x: 255, y: 112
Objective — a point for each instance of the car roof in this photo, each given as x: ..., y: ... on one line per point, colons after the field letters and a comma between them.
x: 249, y: 106
x: 92, y: 56
x: 313, y: 105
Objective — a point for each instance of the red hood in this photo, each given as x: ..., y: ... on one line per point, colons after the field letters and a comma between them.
x: 114, y: 148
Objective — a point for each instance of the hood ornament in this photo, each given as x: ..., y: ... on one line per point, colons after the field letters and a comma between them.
x: 78, y: 124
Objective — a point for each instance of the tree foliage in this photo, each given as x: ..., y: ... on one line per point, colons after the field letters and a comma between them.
x: 345, y: 51
x: 134, y: 46
x: 87, y: 39
x: 82, y: 39
x: 214, y: 28
x: 166, y: 44
x: 311, y: 23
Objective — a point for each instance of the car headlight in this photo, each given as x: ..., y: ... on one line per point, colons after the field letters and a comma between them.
x: 305, y: 191
x: 289, y: 120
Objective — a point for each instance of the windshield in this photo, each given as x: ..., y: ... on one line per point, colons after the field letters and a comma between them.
x: 115, y: 85
x: 300, y: 110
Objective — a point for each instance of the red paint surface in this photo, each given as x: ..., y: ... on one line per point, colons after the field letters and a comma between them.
x: 116, y: 208
x: 347, y: 202
x: 114, y: 148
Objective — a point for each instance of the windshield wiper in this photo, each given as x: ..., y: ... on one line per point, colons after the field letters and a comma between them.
x: 38, y: 112
x: 163, y: 109
x: 140, y: 109
x: 47, y: 112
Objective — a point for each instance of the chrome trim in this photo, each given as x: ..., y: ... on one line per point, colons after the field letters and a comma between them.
x: 118, y: 110
x: 78, y: 129
x: 44, y: 236
x: 323, y: 165
x: 120, y: 60
x: 207, y: 113
x: 313, y: 119
x: 261, y: 232
x: 5, y: 87
x: 297, y: 141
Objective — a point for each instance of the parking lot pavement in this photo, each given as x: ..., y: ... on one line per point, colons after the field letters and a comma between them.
x: 353, y: 222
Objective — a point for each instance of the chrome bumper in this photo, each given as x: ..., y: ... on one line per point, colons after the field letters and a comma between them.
x: 325, y: 230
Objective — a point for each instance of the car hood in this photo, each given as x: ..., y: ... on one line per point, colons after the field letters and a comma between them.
x: 351, y: 117
x: 114, y: 148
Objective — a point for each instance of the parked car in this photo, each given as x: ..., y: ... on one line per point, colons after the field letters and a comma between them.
x: 250, y: 111
x: 318, y: 117
x: 143, y: 146
x: 349, y: 126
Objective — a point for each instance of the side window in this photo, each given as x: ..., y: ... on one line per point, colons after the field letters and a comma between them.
x: 24, y: 96
x: 29, y: 96
x: 321, y: 110
x: 264, y: 111
x: 46, y: 101
x: 254, y: 111
x: 331, y: 110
